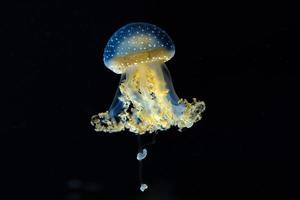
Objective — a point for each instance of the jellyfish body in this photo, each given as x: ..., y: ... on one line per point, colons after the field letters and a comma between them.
x: 145, y: 100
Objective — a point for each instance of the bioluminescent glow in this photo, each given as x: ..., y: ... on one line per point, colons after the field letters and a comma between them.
x: 145, y: 100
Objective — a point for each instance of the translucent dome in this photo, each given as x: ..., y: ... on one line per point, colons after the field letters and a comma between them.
x: 137, y: 43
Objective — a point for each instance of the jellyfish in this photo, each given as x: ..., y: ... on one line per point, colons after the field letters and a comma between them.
x: 145, y: 100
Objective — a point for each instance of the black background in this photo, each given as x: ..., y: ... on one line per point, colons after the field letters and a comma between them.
x: 242, y: 60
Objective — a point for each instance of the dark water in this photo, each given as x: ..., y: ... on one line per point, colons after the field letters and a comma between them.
x: 242, y: 60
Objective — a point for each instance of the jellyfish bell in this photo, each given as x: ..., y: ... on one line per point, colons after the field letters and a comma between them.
x: 135, y: 44
x: 145, y: 101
